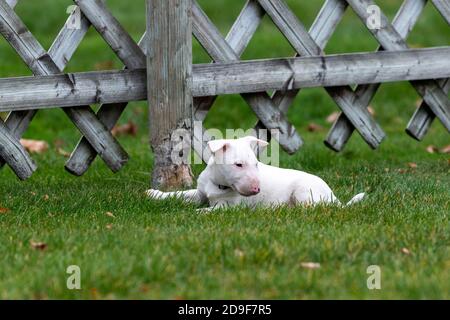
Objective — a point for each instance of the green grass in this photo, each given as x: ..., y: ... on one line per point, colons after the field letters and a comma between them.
x: 165, y: 249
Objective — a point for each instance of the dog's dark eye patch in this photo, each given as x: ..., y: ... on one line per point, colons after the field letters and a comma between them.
x: 238, y: 165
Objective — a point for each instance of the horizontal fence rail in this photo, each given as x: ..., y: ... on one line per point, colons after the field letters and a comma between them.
x: 351, y: 80
x: 108, y: 87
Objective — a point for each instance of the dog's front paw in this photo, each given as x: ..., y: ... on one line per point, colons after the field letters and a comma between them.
x: 154, y: 194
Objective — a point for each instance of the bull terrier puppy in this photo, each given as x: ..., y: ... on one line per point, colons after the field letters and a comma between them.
x: 234, y: 176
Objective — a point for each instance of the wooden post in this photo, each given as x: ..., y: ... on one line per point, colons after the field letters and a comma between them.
x: 169, y: 81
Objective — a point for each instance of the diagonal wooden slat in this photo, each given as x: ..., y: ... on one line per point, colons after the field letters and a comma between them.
x: 423, y: 117
x: 128, y: 52
x: 61, y: 52
x: 238, y: 38
x: 344, y: 96
x: 321, y: 30
x: 10, y: 148
x: 404, y: 22
x: 40, y: 62
x: 443, y: 7
x: 15, y: 154
x: 213, y: 42
x: 390, y: 39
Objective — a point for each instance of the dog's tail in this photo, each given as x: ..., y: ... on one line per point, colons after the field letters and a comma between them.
x: 356, y: 199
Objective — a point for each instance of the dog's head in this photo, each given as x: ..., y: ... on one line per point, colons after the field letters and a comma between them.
x: 235, y: 164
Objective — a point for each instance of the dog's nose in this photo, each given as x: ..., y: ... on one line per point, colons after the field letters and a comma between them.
x: 256, y: 189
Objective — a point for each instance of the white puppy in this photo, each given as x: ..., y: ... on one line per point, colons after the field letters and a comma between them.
x: 234, y: 176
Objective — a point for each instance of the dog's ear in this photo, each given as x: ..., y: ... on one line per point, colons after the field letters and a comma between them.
x: 216, y: 145
x: 254, y: 142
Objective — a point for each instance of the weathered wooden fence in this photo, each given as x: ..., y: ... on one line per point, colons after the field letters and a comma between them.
x: 159, y: 68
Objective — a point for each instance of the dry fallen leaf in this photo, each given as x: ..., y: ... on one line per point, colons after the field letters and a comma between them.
x: 445, y: 149
x: 104, y: 65
x: 63, y: 152
x: 4, y: 210
x: 310, y: 265
x: 432, y: 149
x: 239, y: 253
x: 412, y: 165
x: 313, y: 127
x: 34, y: 146
x: 333, y: 117
x: 110, y: 214
x: 129, y: 128
x: 46, y: 197
x: 109, y: 226
x: 406, y: 251
x: 38, y: 245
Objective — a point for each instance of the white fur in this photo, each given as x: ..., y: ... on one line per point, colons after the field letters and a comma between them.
x: 250, y: 182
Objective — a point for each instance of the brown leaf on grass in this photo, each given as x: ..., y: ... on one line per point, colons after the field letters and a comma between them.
x: 104, y: 65
x: 46, y: 197
x: 406, y: 251
x: 38, y: 245
x: 109, y: 226
x: 412, y: 165
x: 432, y: 149
x: 313, y: 127
x: 34, y: 146
x: 239, y: 253
x: 4, y: 210
x: 310, y: 265
x: 445, y: 149
x: 63, y: 152
x: 129, y: 128
x: 110, y: 214
x: 333, y: 117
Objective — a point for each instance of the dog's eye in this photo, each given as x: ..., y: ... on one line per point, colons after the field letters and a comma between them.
x: 239, y: 165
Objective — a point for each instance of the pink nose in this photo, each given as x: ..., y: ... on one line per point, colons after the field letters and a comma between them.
x: 255, y: 189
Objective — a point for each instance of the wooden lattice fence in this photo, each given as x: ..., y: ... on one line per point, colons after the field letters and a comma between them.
x: 159, y: 68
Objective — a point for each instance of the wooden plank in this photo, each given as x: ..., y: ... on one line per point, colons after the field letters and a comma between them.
x: 261, y: 104
x: 61, y: 52
x: 12, y: 3
x: 303, y: 43
x: 40, y: 63
x: 328, y: 71
x: 443, y: 6
x: 390, y: 39
x: 321, y: 30
x: 403, y: 22
x: 228, y: 78
x: 67, y: 41
x: 15, y: 154
x: 169, y: 74
x: 84, y: 154
x: 129, y: 53
x: 423, y: 117
x: 238, y: 38
x: 114, y: 34
x: 65, y: 90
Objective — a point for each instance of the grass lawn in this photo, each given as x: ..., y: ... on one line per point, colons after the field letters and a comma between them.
x: 151, y: 249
